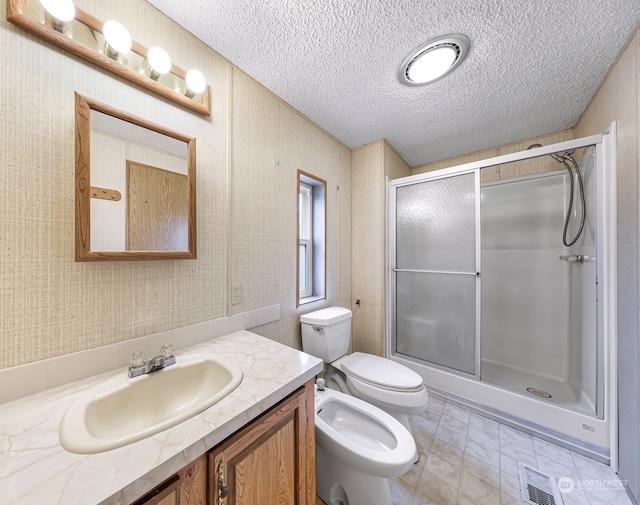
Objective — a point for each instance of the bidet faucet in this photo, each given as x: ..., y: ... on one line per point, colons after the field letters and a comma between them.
x: 139, y: 366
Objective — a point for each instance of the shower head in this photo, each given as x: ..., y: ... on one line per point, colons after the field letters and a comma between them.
x: 560, y: 158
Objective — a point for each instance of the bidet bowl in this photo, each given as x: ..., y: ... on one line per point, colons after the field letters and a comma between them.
x: 125, y: 410
x: 361, y: 435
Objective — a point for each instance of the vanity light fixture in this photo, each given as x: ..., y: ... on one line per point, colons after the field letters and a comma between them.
x: 117, y: 39
x: 105, y: 44
x: 433, y: 60
x: 196, y: 83
x: 159, y: 62
x: 58, y: 13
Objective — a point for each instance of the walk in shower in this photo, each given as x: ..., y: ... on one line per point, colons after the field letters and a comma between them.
x: 499, y: 286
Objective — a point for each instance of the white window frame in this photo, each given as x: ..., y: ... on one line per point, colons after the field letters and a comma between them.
x: 305, y: 237
x: 312, y: 193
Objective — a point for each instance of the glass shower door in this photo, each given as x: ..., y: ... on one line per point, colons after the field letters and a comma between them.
x: 435, y: 271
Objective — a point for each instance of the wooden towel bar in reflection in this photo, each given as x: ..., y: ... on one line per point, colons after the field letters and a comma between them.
x: 105, y: 194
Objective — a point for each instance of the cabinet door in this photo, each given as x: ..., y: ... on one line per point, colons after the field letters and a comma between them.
x: 271, y: 460
x: 187, y: 487
x: 193, y: 482
x: 167, y: 493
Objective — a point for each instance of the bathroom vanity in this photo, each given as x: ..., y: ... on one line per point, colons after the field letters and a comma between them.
x: 253, y: 444
x: 271, y: 459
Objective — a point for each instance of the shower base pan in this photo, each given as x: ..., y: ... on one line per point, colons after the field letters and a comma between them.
x: 526, y: 382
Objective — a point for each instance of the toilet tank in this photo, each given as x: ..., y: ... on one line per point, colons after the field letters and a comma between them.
x: 326, y: 333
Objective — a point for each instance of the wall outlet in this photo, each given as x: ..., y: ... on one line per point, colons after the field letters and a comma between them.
x: 236, y: 294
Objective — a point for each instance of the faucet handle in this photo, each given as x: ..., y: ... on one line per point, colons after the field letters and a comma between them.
x: 166, y: 351
x: 136, y: 360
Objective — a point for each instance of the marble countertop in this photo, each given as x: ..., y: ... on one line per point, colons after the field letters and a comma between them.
x: 34, y: 468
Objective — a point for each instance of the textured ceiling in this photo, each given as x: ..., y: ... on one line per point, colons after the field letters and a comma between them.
x: 532, y: 68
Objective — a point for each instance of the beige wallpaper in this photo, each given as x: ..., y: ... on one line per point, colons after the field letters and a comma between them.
x: 370, y: 165
x: 50, y: 305
x: 271, y: 141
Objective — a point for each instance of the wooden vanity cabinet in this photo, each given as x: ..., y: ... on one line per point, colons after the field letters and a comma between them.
x: 269, y: 461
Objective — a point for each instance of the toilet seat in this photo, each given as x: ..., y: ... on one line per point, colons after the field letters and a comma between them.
x: 380, y: 372
x: 381, y: 388
x: 360, y: 434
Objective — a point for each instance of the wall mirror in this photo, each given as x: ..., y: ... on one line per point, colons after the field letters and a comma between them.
x: 135, y: 187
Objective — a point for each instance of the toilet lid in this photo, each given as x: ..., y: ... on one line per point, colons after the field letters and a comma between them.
x: 382, y: 372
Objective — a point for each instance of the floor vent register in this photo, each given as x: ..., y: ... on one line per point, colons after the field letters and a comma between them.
x: 538, y: 488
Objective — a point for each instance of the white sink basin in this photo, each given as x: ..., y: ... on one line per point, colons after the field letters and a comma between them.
x: 126, y: 410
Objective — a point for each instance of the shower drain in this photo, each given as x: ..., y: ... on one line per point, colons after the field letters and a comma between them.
x: 538, y: 392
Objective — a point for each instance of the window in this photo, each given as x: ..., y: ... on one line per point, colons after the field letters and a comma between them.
x: 305, y: 243
x: 311, y: 238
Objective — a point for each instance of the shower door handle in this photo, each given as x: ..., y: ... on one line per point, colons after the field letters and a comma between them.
x: 575, y: 258
x: 420, y: 271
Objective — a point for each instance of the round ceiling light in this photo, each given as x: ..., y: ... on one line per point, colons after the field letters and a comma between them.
x: 433, y: 60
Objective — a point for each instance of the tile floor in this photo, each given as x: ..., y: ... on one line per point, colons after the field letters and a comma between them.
x: 466, y: 459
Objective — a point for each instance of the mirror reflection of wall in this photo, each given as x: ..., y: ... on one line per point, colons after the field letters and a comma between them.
x: 115, y: 144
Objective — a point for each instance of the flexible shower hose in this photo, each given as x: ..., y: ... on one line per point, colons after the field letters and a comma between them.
x: 570, y: 208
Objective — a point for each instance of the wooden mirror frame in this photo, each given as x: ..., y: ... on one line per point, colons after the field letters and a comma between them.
x: 83, y: 107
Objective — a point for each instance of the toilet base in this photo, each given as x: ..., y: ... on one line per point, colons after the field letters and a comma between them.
x: 341, y: 484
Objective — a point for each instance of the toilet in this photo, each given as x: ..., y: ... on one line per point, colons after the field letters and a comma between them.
x: 393, y: 387
x: 359, y: 447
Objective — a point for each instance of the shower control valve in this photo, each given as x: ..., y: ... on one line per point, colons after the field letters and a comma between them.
x: 575, y: 258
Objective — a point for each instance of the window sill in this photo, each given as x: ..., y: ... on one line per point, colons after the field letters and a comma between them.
x: 310, y: 299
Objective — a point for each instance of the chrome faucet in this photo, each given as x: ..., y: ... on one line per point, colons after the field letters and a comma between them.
x: 139, y: 366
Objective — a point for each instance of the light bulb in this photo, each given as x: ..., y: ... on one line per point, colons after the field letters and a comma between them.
x: 159, y: 62
x: 117, y: 39
x: 58, y: 12
x: 196, y: 83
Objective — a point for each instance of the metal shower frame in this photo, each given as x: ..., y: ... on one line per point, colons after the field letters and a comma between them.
x: 606, y: 405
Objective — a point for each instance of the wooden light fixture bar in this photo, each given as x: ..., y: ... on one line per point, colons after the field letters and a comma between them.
x: 87, y: 43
